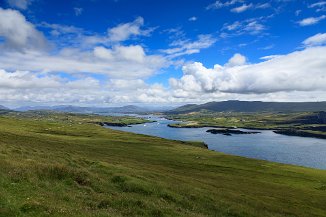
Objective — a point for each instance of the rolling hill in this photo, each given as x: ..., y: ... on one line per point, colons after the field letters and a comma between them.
x: 67, y: 165
x: 251, y: 106
x: 78, y: 109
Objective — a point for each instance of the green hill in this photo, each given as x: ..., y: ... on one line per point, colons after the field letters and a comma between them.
x: 251, y: 106
x: 68, y: 166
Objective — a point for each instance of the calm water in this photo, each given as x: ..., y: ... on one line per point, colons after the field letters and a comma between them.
x: 309, y: 152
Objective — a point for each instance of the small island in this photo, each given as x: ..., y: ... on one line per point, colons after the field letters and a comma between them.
x: 229, y: 132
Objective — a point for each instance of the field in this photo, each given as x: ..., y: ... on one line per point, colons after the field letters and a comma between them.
x: 310, y: 124
x: 66, y: 165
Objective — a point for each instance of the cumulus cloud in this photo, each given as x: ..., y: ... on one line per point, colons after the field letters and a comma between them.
x: 20, y: 4
x: 27, y: 80
x: 297, y: 71
x: 28, y: 87
x: 316, y: 40
x: 118, y: 62
x: 24, y: 51
x: 237, y: 60
x: 18, y: 33
x: 298, y: 75
x: 93, y: 68
x: 133, y: 53
x: 124, y: 31
x: 311, y: 20
x: 103, y: 71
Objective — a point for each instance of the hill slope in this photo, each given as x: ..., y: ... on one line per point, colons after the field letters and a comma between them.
x: 3, y: 108
x: 63, y: 168
x: 252, y: 106
x: 78, y: 109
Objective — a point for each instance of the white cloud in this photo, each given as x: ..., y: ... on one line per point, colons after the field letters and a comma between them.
x: 127, y: 61
x: 270, y: 57
x: 297, y: 12
x: 129, y: 53
x: 320, y: 6
x: 78, y: 11
x: 220, y: 4
x: 311, y: 20
x: 192, y: 18
x: 25, y: 81
x: 187, y: 47
x: 124, y: 31
x: 316, y: 40
x: 98, y: 72
x: 241, y: 8
x: 20, y: 4
x: 252, y: 26
x: 28, y: 87
x: 24, y: 51
x: 295, y: 76
x: 297, y: 71
x: 237, y: 60
x: 263, y: 5
x: 124, y: 84
x: 25, y: 86
x: 59, y: 29
x: 107, y: 68
x: 268, y: 47
x: 18, y: 33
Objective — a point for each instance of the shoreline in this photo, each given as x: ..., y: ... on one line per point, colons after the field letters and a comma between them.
x: 282, y: 131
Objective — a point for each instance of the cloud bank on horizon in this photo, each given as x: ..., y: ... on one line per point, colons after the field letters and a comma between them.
x: 213, y: 50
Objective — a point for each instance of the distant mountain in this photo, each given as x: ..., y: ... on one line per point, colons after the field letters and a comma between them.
x: 78, y: 109
x: 4, y: 108
x: 28, y: 108
x: 251, y: 106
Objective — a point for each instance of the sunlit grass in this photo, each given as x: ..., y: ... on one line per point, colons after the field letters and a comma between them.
x: 62, y: 168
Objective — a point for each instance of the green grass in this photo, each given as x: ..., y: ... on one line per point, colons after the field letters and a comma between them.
x: 231, y: 119
x: 58, y: 168
x: 53, y: 116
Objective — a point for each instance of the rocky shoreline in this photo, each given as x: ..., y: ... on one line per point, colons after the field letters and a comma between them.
x: 220, y: 127
x: 291, y: 132
x: 288, y: 132
x: 112, y: 124
x: 197, y: 126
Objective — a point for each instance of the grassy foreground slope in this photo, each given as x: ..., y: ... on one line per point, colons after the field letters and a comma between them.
x: 56, y: 168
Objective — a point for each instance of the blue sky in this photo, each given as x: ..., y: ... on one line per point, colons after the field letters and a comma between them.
x: 109, y: 52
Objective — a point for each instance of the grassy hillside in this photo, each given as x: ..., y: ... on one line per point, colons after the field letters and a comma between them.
x: 54, y: 167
